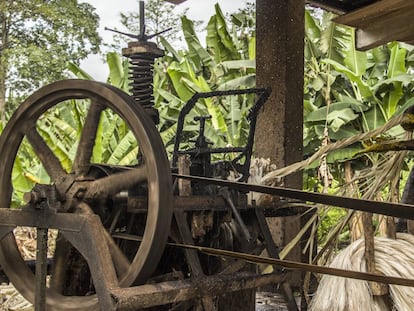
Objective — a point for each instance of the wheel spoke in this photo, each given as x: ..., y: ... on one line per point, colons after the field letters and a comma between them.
x: 49, y: 160
x: 82, y: 160
x: 113, y: 184
x: 121, y: 262
x: 60, y: 261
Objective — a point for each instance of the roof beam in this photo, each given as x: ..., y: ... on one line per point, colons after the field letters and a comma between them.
x: 175, y: 1
x: 329, y: 5
x: 381, y: 22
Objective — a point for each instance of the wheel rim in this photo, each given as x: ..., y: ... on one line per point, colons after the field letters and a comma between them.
x: 154, y: 170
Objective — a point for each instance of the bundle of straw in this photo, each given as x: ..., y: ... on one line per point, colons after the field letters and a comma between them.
x: 392, y: 257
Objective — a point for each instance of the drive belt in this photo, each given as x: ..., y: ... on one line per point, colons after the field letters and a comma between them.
x: 385, y: 208
x: 292, y: 265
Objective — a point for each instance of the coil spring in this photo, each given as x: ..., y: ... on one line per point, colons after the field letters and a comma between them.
x: 141, y: 75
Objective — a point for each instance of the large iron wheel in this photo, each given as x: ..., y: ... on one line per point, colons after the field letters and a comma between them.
x: 80, y: 188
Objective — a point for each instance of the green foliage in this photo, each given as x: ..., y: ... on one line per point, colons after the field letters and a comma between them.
x: 349, y: 91
x: 329, y: 218
x: 39, y: 38
x: 227, y: 62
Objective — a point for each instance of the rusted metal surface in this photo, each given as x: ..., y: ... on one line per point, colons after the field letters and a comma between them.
x: 202, y: 151
x: 293, y: 265
x: 83, y: 232
x: 68, y: 204
x: 142, y: 55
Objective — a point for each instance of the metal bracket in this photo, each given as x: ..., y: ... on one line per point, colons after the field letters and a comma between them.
x: 84, y: 231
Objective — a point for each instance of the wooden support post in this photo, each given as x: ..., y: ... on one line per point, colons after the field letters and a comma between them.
x: 280, y: 33
x: 280, y: 46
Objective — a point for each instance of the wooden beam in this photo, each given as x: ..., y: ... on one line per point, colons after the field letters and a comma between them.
x: 332, y: 6
x: 175, y: 1
x: 381, y: 22
x: 152, y: 295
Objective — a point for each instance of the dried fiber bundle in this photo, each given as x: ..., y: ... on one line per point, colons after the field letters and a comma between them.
x: 392, y: 257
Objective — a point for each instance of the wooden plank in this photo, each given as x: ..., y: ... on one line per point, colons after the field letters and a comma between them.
x: 374, y: 12
x: 175, y: 1
x: 395, y: 27
x: 381, y: 22
x: 332, y: 6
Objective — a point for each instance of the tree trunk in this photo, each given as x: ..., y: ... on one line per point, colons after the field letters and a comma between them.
x: 2, y: 96
x: 3, y: 64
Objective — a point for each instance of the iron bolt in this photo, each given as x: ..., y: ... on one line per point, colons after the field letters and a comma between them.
x: 80, y: 193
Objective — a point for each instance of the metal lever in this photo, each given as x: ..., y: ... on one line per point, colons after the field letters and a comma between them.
x: 138, y: 37
x: 201, y: 141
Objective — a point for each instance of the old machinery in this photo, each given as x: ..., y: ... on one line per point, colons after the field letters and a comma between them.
x: 126, y: 231
x: 72, y: 198
x: 111, y: 221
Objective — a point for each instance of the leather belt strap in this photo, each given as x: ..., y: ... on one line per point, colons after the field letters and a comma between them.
x: 385, y: 208
x: 292, y: 265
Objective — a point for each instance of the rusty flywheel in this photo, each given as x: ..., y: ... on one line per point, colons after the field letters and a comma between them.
x: 79, y: 201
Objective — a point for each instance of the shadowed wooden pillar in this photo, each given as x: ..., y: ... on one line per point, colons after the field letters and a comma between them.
x: 279, y: 63
x: 279, y: 133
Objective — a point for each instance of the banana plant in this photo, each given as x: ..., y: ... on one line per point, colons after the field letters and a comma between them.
x: 177, y: 76
x: 348, y: 90
x: 226, y: 62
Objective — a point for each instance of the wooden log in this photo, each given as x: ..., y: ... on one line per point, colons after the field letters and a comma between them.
x: 151, y: 295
